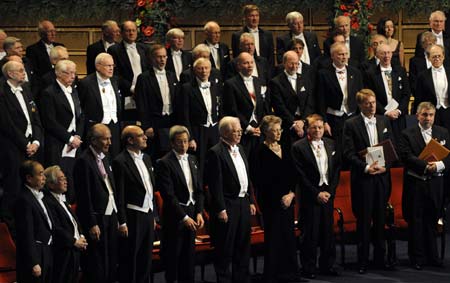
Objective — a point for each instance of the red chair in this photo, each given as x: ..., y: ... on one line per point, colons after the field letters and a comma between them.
x: 7, y: 256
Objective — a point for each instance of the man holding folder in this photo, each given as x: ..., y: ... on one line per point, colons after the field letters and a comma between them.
x: 423, y: 185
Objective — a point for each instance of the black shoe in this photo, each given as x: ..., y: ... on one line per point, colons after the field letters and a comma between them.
x: 309, y: 275
x: 330, y: 272
x: 362, y: 269
x: 417, y: 266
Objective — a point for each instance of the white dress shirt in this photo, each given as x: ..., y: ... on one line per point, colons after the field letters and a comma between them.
x: 248, y: 81
x: 145, y: 177
x: 214, y: 49
x: 68, y: 94
x: 440, y: 86
x: 371, y: 128
x: 341, y: 75
x: 163, y: 84
x: 320, y: 154
x: 241, y: 170
x: 177, y: 62
x: 206, y: 95
x: 386, y: 74
x: 19, y: 95
x: 111, y: 206
x: 135, y: 60
x: 109, y: 102
x: 60, y: 198
x: 255, y: 33
x: 183, y: 160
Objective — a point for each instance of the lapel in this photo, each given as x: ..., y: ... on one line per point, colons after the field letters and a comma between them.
x: 13, y: 101
x: 380, y: 128
x: 329, y: 149
x: 362, y: 125
x: 285, y: 82
x: 418, y: 138
x: 350, y: 85
x: 60, y: 95
x: 155, y: 85
x: 310, y: 154
x: 332, y: 78
x: 132, y: 166
x: 124, y: 57
x: 39, y: 208
x: 243, y: 89
x: 96, y: 91
x: 379, y: 82
x: 429, y: 81
x: 228, y: 161
x: 198, y: 94
x: 193, y: 168
x: 176, y: 164
x: 396, y: 81
x: 148, y: 164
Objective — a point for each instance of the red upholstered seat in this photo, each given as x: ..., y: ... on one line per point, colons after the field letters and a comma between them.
x: 7, y: 256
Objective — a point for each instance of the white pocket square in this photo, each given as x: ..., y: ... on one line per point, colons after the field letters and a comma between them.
x: 399, y: 78
x: 303, y: 89
x: 442, y: 142
x: 385, y: 130
x: 217, y: 81
x: 333, y: 153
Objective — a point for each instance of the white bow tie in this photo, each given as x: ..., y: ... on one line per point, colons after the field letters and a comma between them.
x: 234, y: 149
x: 183, y: 157
x: 16, y: 89
x: 253, y: 30
x: 139, y: 156
x: 105, y: 83
x: 317, y: 144
x: 39, y: 195
x: 371, y: 121
x: 69, y: 90
x: 216, y: 46
x: 132, y: 46
x: 440, y: 69
x: 160, y: 72
x: 61, y: 197
x: 293, y: 77
x: 176, y: 53
x: 427, y: 132
x: 205, y: 85
x: 248, y: 79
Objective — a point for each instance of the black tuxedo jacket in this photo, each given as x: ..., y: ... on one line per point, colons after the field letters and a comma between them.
x: 368, y: 65
x: 37, y: 53
x: 308, y: 170
x: 356, y: 139
x: 92, y: 193
x: 91, y: 101
x: 410, y: 146
x: 400, y: 88
x: 222, y: 178
x: 33, y: 230
x: 63, y: 226
x: 12, y: 107
x: 91, y: 53
x: 416, y: 66
x: 174, y: 190
x: 186, y: 60
x: 149, y: 101
x: 425, y: 88
x: 188, y: 75
x: 329, y: 93
x: 265, y: 44
x: 193, y: 108
x: 224, y: 57
x: 264, y: 70
x: 285, y: 100
x: 237, y: 101
x: 56, y: 116
x: 130, y: 187
x: 123, y: 68
x: 284, y: 43
x: 357, y: 52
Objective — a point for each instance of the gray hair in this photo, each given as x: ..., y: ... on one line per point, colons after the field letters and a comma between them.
x: 51, y: 174
x: 177, y: 130
x: 290, y: 17
x: 225, y: 124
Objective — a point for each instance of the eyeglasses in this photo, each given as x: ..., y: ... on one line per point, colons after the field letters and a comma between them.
x: 108, y: 65
x: 237, y: 132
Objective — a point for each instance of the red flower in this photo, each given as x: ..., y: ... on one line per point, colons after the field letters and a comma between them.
x: 343, y: 7
x: 370, y: 27
x: 346, y: 14
x: 140, y: 3
x: 147, y: 30
x: 355, y: 26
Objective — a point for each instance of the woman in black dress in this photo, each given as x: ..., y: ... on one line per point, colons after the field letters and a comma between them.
x: 275, y: 180
x: 386, y: 27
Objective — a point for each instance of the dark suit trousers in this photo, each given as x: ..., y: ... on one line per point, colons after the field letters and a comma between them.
x: 178, y: 249
x: 46, y: 263
x: 422, y: 244
x: 372, y: 211
x: 318, y: 231
x: 135, y: 264
x: 337, y: 129
x: 280, y: 256
x: 232, y: 243
x: 66, y: 265
x: 206, y: 137
x: 99, y: 262
x: 114, y: 148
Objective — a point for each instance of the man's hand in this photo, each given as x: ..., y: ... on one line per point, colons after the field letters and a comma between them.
x: 200, y: 221
x: 94, y: 232
x: 150, y: 133
x: 76, y: 142
x: 375, y: 169
x: 193, y: 145
x: 286, y: 200
x: 327, y: 129
x: 393, y: 114
x: 256, y: 132
x: 431, y: 167
x: 32, y: 148
x: 123, y: 231
x: 252, y: 209
x: 298, y: 128
x: 223, y: 216
x: 36, y: 271
x: 190, y: 224
x: 323, y: 197
x: 81, y: 243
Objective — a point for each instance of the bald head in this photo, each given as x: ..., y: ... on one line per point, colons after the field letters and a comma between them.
x: 343, y: 23
x: 384, y: 53
x: 133, y: 138
x: 47, y: 31
x: 245, y: 64
x: 129, y: 31
x: 14, y: 72
x: 291, y: 62
x: 99, y: 137
x: 212, y: 32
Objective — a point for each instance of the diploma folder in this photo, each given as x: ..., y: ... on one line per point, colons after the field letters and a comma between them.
x: 390, y: 155
x: 434, y: 151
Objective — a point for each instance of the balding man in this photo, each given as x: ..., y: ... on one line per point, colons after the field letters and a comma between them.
x: 354, y: 45
x: 39, y: 52
x: 232, y: 203
x: 292, y: 99
x: 13, y: 47
x: 375, y: 41
x: 110, y: 36
x: 63, y: 122
x: 242, y: 98
x: 220, y: 53
x: 100, y: 99
x: 201, y: 51
x: 3, y: 35
x: 311, y: 50
x: 263, y: 38
x: 57, y: 54
x: 418, y: 64
x: 96, y: 207
x: 178, y: 59
x: 135, y: 182
x: 130, y: 62
x: 391, y: 86
x: 437, y: 25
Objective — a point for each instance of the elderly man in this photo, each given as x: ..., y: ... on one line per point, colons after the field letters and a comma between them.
x: 375, y: 41
x: 13, y: 47
x: 57, y: 54
x: 181, y: 186
x: 96, y: 207
x: 311, y: 50
x: 69, y: 241
x: 38, y: 53
x: 135, y: 182
x: 263, y: 39
x: 292, y: 99
x: 220, y: 53
x: 155, y: 96
x: 423, y: 186
x: 391, y: 87
x: 437, y: 25
x: 3, y: 35
x: 130, y: 62
x: 232, y: 203
x: 242, y: 98
x: 354, y: 45
x: 100, y: 99
x: 35, y: 227
x: 110, y: 36
x: 178, y: 59
x: 418, y: 64
x: 201, y: 51
x: 63, y: 121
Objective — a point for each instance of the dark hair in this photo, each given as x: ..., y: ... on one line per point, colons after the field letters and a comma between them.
x: 27, y: 169
x: 313, y: 118
x: 381, y: 25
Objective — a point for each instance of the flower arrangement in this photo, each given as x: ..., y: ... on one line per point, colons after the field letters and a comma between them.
x: 153, y: 19
x: 359, y: 12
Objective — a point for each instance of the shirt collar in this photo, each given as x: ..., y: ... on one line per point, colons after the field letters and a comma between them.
x: 181, y: 156
x: 59, y: 197
x: 134, y: 155
x: 65, y: 89
x: 102, y: 81
x: 37, y: 194
x: 97, y: 155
